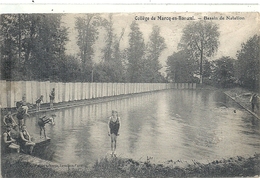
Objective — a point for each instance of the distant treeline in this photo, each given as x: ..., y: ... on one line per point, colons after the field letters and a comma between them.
x: 223, y: 72
x: 33, y: 48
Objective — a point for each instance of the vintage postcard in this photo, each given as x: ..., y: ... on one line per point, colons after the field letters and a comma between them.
x: 130, y: 93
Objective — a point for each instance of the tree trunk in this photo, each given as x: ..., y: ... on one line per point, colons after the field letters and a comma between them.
x: 201, y: 56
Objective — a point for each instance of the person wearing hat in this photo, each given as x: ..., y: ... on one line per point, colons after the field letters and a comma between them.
x: 9, y: 141
x: 113, y: 130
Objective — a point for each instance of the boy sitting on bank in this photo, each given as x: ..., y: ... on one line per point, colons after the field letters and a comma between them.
x: 23, y: 104
x: 9, y: 141
x: 44, y: 120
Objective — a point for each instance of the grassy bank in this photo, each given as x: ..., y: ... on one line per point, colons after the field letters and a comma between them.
x: 119, y: 167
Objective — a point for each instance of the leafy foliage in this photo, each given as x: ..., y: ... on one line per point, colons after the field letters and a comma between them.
x: 32, y: 46
x: 223, y: 72
x: 248, y: 63
x: 110, y: 69
x: 154, y: 49
x: 71, y: 69
x: 135, y: 54
x: 87, y: 28
x: 181, y: 67
x: 200, y: 39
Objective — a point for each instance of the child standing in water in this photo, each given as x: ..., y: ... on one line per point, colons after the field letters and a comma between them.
x: 43, y: 121
x: 113, y: 128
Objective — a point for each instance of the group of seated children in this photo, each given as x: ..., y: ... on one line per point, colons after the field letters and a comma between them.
x: 24, y: 139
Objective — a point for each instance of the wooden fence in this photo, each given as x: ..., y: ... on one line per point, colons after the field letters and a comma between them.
x: 13, y: 91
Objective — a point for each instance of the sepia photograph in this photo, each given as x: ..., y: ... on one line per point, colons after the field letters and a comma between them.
x: 130, y: 94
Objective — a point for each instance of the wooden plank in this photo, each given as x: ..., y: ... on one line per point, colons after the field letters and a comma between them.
x: 41, y: 140
x: 254, y: 114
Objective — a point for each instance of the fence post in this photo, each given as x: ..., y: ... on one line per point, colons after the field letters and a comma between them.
x: 101, y: 89
x: 103, y: 86
x: 83, y: 94
x: 80, y: 87
x: 90, y: 91
x: 87, y: 91
x: 80, y: 91
x: 94, y: 89
x: 194, y: 86
x: 71, y: 91
x: 8, y: 92
x: 113, y: 89
x: 58, y: 92
x: 18, y: 91
x: 117, y: 89
x: 75, y: 91
x: 97, y: 90
x: 12, y: 94
x: 66, y: 92
x: 45, y: 90
x: 3, y: 96
x: 108, y: 89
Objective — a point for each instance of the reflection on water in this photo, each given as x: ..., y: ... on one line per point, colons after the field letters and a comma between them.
x: 176, y: 124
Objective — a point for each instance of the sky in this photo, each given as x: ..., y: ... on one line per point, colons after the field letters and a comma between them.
x: 232, y: 32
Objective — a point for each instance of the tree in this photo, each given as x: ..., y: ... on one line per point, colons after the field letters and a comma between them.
x: 181, y: 67
x: 207, y: 69
x: 110, y: 38
x: 201, y: 40
x: 248, y: 63
x: 135, y: 54
x: 49, y: 47
x: 87, y: 27
x: 223, y: 71
x: 8, y: 45
x: 70, y: 69
x: 15, y: 30
x: 154, y: 49
x: 110, y: 68
x: 32, y: 45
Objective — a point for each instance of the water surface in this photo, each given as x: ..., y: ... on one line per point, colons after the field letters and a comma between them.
x: 165, y: 125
